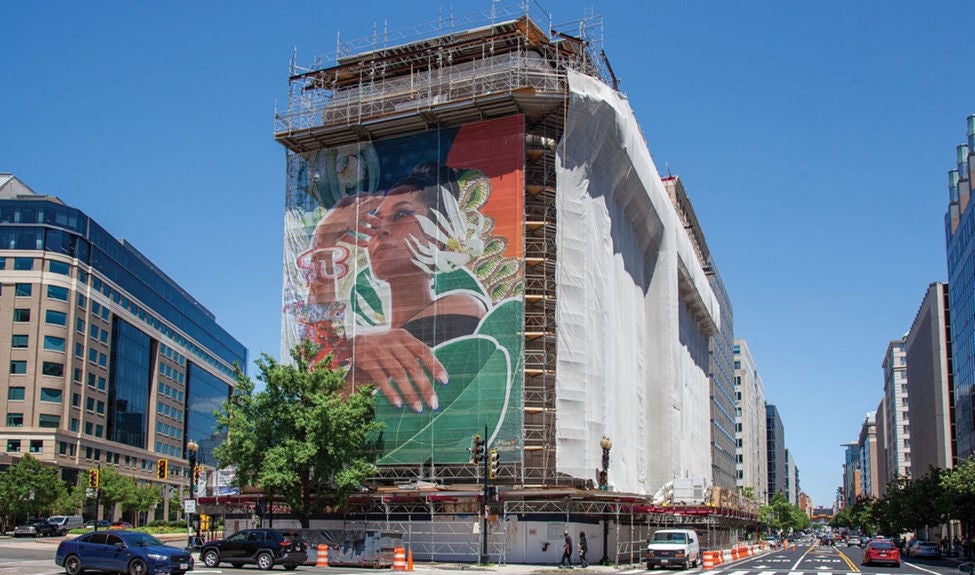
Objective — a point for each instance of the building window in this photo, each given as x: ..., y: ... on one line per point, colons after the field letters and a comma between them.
x: 75, y: 400
x: 19, y: 341
x: 54, y: 343
x: 82, y: 301
x: 15, y: 420
x: 24, y: 264
x: 74, y: 425
x: 13, y: 446
x: 48, y: 420
x: 22, y: 290
x: 58, y: 267
x: 89, y: 428
x: 15, y: 394
x: 79, y: 325
x: 18, y: 367
x: 56, y: 317
x: 52, y: 369
x: 21, y: 314
x: 90, y: 404
x: 79, y: 350
x: 51, y: 394
x: 57, y: 292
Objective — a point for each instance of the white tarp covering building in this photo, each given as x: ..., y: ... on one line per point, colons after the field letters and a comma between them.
x: 634, y: 306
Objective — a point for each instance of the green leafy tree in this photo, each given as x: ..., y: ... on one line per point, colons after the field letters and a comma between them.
x: 780, y: 515
x: 28, y: 489
x: 71, y: 501
x: 301, y: 438
x: 959, y: 492
x: 116, y: 488
x: 143, y: 498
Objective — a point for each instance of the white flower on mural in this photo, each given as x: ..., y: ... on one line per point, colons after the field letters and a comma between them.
x: 457, y: 237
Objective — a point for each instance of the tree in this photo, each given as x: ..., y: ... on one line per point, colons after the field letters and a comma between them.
x: 71, y: 501
x: 116, y: 489
x: 959, y: 493
x: 28, y: 489
x: 143, y: 498
x: 303, y: 437
x: 780, y: 515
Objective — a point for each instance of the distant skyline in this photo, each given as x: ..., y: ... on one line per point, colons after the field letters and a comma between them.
x: 814, y: 140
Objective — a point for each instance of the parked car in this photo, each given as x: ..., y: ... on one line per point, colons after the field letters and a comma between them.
x: 853, y: 541
x: 923, y: 549
x: 265, y: 547
x: 65, y: 523
x: 121, y: 552
x: 120, y: 525
x: 35, y: 528
x: 670, y: 547
x: 102, y: 524
x: 881, y: 551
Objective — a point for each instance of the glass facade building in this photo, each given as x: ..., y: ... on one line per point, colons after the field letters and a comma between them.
x: 960, y: 244
x: 109, y: 361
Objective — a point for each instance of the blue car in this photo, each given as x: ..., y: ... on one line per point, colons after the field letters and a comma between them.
x: 131, y: 552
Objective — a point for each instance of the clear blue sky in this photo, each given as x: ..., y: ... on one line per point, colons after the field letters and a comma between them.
x: 813, y: 137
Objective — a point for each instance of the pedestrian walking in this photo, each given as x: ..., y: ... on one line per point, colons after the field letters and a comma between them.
x: 583, y: 548
x: 566, y: 551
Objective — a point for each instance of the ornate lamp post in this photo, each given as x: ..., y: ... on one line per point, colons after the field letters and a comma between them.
x: 192, y: 448
x: 606, y: 444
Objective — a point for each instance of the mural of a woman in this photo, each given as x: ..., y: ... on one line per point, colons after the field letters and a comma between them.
x: 410, y: 233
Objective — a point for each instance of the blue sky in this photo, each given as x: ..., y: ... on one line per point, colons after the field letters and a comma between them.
x: 813, y: 138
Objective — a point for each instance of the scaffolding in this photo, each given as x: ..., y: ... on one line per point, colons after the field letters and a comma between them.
x: 511, y: 60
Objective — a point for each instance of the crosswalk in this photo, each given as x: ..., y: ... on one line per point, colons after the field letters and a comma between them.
x: 636, y: 570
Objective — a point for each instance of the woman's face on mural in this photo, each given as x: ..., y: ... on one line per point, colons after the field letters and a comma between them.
x: 388, y: 251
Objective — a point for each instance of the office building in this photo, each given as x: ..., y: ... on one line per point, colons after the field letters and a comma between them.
x: 960, y: 248
x: 108, y: 361
x: 896, y: 435
x: 750, y: 424
x: 778, y: 473
x: 930, y: 393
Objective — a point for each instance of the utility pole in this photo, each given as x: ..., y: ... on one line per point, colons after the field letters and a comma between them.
x: 484, y: 499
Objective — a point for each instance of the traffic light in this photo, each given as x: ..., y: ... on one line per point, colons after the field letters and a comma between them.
x: 93, y: 478
x: 196, y: 474
x: 162, y: 470
x: 204, y: 522
x: 603, y: 482
x: 477, y: 452
x: 493, y: 463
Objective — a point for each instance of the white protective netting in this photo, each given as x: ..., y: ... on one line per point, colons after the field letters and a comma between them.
x: 629, y: 345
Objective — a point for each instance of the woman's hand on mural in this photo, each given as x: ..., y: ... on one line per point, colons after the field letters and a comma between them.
x: 402, y: 367
x: 353, y: 223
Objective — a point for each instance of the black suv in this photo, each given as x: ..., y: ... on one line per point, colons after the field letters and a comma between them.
x: 265, y: 547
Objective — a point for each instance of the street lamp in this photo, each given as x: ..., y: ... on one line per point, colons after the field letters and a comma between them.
x: 606, y: 444
x: 192, y: 448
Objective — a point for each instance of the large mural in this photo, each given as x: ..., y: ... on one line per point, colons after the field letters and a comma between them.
x: 403, y: 262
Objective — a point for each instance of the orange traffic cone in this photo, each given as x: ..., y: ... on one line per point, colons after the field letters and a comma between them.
x: 322, y: 559
x: 409, y: 560
x: 399, y: 559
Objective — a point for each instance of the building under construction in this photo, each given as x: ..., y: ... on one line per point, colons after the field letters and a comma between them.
x: 474, y: 225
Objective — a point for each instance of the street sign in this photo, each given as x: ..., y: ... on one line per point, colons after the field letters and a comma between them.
x: 189, y: 506
x: 91, y: 492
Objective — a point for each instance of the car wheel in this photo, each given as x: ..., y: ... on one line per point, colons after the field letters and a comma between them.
x: 72, y: 565
x: 264, y: 560
x: 649, y: 566
x: 137, y: 567
x: 211, y: 558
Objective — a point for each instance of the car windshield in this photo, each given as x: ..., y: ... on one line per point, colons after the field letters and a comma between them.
x: 882, y: 545
x: 137, y: 539
x: 670, y: 537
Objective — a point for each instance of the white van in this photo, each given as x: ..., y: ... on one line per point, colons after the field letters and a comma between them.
x: 669, y: 547
x: 65, y: 523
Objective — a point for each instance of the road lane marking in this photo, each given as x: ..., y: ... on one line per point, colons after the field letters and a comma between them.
x: 921, y: 568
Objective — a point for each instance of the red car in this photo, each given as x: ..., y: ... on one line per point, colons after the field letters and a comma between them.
x: 881, y: 551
